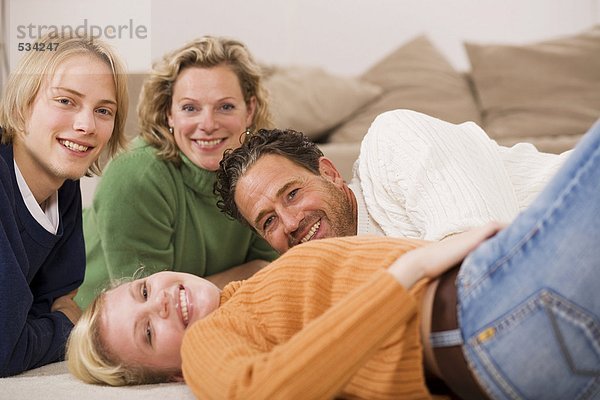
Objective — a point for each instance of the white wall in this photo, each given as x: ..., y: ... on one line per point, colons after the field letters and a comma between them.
x: 125, y: 24
x: 347, y: 36
x: 344, y: 36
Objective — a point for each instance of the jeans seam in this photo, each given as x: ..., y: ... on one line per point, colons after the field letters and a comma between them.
x: 575, y: 317
x: 489, y: 367
x: 543, y: 299
x: 495, y: 375
x: 591, y: 391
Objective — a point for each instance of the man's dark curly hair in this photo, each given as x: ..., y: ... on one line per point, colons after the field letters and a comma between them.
x: 294, y: 146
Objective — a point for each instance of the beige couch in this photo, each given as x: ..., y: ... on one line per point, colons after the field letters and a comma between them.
x: 546, y: 93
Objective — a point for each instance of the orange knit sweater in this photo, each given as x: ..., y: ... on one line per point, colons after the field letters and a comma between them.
x: 325, y: 320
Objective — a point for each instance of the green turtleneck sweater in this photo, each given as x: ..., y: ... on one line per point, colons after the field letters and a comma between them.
x: 149, y: 212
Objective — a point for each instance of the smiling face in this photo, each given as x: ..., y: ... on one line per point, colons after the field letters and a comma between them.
x: 288, y: 204
x: 208, y: 114
x: 143, y: 321
x: 68, y: 125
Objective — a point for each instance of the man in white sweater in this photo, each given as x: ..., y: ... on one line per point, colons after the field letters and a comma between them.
x: 416, y: 176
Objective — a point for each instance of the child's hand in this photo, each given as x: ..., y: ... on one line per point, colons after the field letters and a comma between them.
x: 67, y: 306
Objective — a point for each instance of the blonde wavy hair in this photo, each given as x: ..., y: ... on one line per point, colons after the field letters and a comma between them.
x: 206, y: 52
x: 89, y: 357
x: 30, y: 74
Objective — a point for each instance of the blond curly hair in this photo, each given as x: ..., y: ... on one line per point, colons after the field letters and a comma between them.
x: 206, y: 52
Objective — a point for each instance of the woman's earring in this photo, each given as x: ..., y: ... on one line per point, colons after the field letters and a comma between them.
x: 171, y: 130
x: 247, y: 133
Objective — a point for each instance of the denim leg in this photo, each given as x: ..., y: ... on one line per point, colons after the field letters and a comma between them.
x: 529, y: 298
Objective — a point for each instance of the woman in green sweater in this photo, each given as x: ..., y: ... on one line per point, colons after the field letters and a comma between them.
x: 154, y: 206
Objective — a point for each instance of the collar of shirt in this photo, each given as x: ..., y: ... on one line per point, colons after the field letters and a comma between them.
x: 365, y: 224
x: 47, y: 218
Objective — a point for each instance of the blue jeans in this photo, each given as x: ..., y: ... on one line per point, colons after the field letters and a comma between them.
x: 529, y: 298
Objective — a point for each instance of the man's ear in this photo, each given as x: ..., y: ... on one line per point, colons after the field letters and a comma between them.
x: 329, y: 171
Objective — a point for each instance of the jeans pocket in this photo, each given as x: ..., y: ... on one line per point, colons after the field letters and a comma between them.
x: 545, y: 348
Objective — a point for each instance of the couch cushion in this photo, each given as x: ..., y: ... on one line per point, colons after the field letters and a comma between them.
x: 415, y: 76
x: 135, y: 81
x: 312, y: 100
x: 547, y: 93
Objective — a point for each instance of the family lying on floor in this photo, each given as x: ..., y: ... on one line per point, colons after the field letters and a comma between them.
x: 263, y: 273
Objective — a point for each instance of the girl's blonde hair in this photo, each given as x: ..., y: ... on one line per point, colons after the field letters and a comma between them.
x: 90, y: 359
x: 26, y: 80
x: 206, y: 52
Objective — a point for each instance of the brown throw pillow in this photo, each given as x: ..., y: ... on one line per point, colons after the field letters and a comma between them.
x: 415, y: 76
x: 312, y: 100
x: 546, y: 93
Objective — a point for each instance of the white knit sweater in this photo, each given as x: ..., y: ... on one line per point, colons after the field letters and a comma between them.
x: 425, y: 178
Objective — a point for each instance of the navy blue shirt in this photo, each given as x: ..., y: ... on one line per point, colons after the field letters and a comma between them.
x: 36, y: 267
